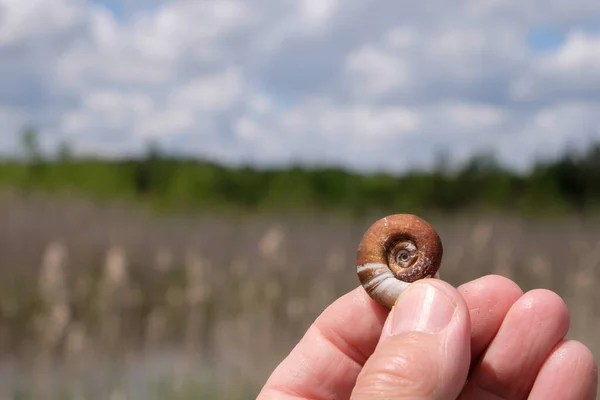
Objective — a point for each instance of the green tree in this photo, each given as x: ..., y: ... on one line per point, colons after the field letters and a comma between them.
x: 64, y: 152
x: 30, y: 145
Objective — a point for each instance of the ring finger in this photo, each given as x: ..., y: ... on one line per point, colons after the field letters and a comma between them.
x: 569, y: 373
x: 531, y: 329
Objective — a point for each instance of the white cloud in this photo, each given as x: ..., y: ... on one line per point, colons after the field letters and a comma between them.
x: 114, y: 112
x: 548, y: 132
x: 374, y: 72
x: 167, y: 122
x: 259, y: 103
x: 257, y: 137
x: 400, y: 37
x: 23, y: 21
x: 365, y: 84
x: 317, y: 11
x: 371, y: 123
x: 458, y: 43
x: 209, y: 93
x: 474, y: 115
x: 570, y: 72
x: 580, y: 52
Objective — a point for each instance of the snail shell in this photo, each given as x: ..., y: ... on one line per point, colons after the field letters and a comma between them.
x: 394, y: 252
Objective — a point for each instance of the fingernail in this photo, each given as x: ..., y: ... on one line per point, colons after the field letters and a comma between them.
x: 422, y: 307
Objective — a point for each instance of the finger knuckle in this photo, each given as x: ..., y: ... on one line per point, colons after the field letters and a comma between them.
x: 405, y: 368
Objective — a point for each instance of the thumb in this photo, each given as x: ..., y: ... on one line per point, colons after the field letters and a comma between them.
x: 425, y: 348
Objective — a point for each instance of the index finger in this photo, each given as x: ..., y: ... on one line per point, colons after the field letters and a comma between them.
x: 327, y: 360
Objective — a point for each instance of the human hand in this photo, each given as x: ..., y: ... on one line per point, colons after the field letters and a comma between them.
x: 509, y: 345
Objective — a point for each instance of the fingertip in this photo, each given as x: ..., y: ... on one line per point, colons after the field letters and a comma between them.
x: 360, y: 297
x: 449, y: 290
x: 430, y: 300
x: 462, y: 308
x: 547, y: 302
x: 584, y: 362
x: 547, y: 295
x: 508, y: 367
x: 496, y: 282
x: 425, y: 349
x: 585, y: 357
x: 489, y: 299
x: 569, y: 372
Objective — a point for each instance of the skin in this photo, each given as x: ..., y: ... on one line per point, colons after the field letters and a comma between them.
x: 517, y: 342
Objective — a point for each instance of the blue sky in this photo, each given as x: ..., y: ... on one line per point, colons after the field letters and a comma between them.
x: 542, y: 39
x: 369, y: 85
x: 122, y: 10
x: 115, y: 6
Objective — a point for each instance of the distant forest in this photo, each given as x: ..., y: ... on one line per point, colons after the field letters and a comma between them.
x: 568, y: 184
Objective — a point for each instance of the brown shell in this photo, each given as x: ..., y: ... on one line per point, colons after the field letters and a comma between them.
x: 381, y: 243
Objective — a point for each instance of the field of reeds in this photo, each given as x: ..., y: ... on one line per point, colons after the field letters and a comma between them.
x: 109, y: 302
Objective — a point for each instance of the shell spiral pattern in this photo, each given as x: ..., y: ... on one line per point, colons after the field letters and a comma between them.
x: 394, y: 252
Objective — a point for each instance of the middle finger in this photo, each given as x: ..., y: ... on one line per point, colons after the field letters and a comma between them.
x: 489, y: 298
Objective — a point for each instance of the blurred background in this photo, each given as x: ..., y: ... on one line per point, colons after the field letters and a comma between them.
x: 183, y: 184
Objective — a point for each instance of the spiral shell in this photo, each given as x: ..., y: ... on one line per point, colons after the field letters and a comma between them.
x: 394, y: 252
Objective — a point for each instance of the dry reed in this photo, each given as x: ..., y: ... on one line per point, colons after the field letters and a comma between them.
x: 102, y: 302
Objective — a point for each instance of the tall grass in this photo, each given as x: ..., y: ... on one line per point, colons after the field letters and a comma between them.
x: 106, y: 302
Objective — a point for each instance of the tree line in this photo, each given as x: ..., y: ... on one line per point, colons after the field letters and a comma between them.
x: 570, y: 183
